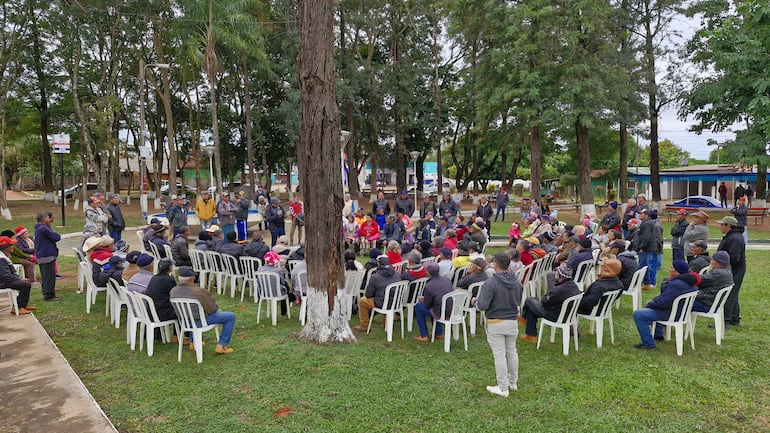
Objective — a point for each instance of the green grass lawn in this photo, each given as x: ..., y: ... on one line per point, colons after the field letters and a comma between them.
x: 407, y: 386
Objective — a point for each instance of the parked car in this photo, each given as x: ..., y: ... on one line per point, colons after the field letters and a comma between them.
x: 695, y: 202
x: 189, y: 191
x: 75, y: 190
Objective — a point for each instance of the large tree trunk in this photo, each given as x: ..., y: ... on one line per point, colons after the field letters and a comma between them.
x: 623, y: 186
x: 249, y: 131
x: 319, y: 169
x: 534, y: 153
x: 584, y: 168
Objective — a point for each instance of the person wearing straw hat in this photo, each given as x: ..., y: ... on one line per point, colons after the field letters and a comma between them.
x: 10, y: 280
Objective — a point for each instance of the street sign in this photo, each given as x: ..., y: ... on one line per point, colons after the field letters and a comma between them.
x: 61, y: 143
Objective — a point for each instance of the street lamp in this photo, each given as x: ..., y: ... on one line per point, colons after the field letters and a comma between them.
x: 415, y: 154
x: 143, y: 131
x: 209, y: 149
x: 712, y: 142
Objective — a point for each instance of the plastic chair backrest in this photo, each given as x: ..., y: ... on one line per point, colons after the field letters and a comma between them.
x: 399, y: 267
x: 682, y: 307
x: 353, y: 281
x: 146, y: 307
x: 136, y: 311
x: 232, y: 265
x: 604, y: 307
x: 459, y: 303
x: 154, y: 251
x: 140, y: 235
x: 527, y: 273
x: 269, y: 284
x: 79, y: 254
x: 290, y: 266
x: 637, y: 279
x: 167, y: 250
x: 250, y: 265
x: 198, y: 260
x: 394, y: 295
x: 301, y: 288
x: 720, y: 298
x: 216, y: 263
x: 581, y: 273
x: 88, y: 271
x: 478, y: 286
x: 186, y: 310
x: 569, y: 309
x: 416, y: 287
x: 367, y: 278
x: 431, y: 259
x: 459, y: 273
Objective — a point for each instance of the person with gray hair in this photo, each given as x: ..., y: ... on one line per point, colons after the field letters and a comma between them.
x: 414, y: 268
x: 116, y: 223
x: 429, y: 304
x: 499, y: 298
x: 186, y: 289
x: 715, y: 279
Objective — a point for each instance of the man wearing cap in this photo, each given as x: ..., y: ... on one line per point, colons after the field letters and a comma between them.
x: 374, y: 295
x: 186, y: 289
x: 447, y: 206
x: 139, y: 281
x: 428, y: 205
x: 740, y: 212
x: 606, y: 281
x: 242, y: 205
x: 160, y: 241
x: 679, y: 282
x: 584, y: 253
x: 405, y: 204
x: 445, y: 262
x: 429, y: 304
x: 697, y: 230
x: 476, y: 234
x: 215, y: 238
x: 381, y: 203
x: 274, y: 216
x: 699, y: 258
x: 646, y: 248
x: 502, y: 202
x: 560, y: 287
x: 733, y: 243
x: 116, y: 223
x: 627, y: 261
x: 499, y: 299
x: 46, y: 252
x: 205, y: 209
x: 611, y: 218
x: 677, y: 234
x: 712, y: 281
x: 226, y: 214
x: 10, y: 280
x: 96, y: 219
x: 159, y: 289
x: 476, y: 274
x: 740, y: 191
x: 180, y: 248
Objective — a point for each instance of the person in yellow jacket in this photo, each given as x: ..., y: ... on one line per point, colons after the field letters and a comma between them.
x: 205, y: 209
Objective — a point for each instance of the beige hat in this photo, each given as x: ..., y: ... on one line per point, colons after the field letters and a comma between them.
x: 213, y: 229
x: 610, y: 268
x: 106, y: 241
x: 91, y: 243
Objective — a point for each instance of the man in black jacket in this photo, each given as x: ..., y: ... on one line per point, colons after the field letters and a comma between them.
x: 607, y: 281
x: 627, y: 261
x: 374, y: 295
x: 560, y: 287
x: 733, y: 244
x: 677, y: 231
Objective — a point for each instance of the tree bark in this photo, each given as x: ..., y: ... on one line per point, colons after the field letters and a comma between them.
x: 584, y: 168
x: 319, y: 169
x: 623, y: 186
x: 534, y: 154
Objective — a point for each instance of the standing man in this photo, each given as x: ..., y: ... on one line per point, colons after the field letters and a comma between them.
x: 740, y: 212
x: 502, y: 202
x: 723, y: 194
x: 697, y: 230
x: 46, y: 252
x: 177, y: 214
x: 732, y: 243
x: 740, y: 191
x: 405, y: 204
x: 226, y: 214
x: 428, y: 205
x: 205, y: 209
x: 677, y: 234
x: 646, y: 248
x: 297, y: 213
x: 186, y: 289
x: 96, y: 219
x: 381, y: 203
x: 484, y: 211
x: 274, y: 216
x: 242, y: 205
x: 448, y: 207
x: 116, y: 223
x: 749, y: 193
x: 499, y: 298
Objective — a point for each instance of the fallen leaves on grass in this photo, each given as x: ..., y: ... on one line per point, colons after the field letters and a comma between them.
x: 284, y: 411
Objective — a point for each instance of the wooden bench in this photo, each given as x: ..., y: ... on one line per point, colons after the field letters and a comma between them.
x: 758, y: 213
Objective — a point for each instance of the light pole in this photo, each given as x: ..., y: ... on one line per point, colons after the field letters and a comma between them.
x: 712, y: 142
x: 209, y: 149
x: 415, y: 154
x: 288, y: 177
x: 142, y: 131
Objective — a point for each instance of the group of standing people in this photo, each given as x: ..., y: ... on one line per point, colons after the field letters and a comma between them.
x: 745, y: 192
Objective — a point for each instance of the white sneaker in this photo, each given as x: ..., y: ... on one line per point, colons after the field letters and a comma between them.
x: 512, y: 387
x: 497, y: 391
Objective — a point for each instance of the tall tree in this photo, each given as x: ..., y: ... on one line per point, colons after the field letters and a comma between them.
x: 319, y: 168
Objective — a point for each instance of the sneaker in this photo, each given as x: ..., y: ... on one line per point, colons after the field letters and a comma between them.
x: 647, y: 287
x: 643, y: 346
x: 513, y: 387
x: 421, y: 338
x: 530, y: 338
x: 222, y: 350
x: 59, y: 276
x: 497, y: 391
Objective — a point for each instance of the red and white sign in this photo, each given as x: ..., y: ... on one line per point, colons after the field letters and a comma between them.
x: 61, y: 143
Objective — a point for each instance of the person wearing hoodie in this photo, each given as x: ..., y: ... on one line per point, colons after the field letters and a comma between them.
x: 429, y: 304
x: 627, y: 260
x: 46, y: 252
x: 202, y: 243
x: 257, y: 247
x: 560, y: 287
x: 679, y: 282
x: 374, y: 296
x: 499, y: 298
x: 607, y: 281
x: 733, y: 243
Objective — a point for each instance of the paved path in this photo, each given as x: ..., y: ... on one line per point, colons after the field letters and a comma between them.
x: 40, y: 392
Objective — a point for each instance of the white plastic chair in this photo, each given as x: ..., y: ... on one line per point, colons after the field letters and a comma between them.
x: 133, y: 317
x: 301, y: 291
x: 431, y: 259
x: 12, y: 295
x: 582, y: 274
x: 367, y: 279
x: 234, y: 273
x: 269, y: 290
x: 155, y: 253
x: 681, y: 323
x: 140, y: 235
x: 413, y: 292
x: 392, y: 304
x: 458, y: 275
x: 716, y: 312
x: 353, y: 281
x: 456, y: 317
x: 634, y: 289
x: 92, y: 290
x: 217, y: 270
x: 81, y: 275
x: 117, y: 301
x: 149, y: 321
x: 399, y: 267
x: 567, y: 320
x: 601, y: 312
x: 471, y: 310
x: 200, y: 266
x: 249, y: 267
x: 186, y: 312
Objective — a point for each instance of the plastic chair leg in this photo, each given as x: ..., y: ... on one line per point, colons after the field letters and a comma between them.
x: 447, y: 339
x: 565, y: 341
x: 679, y: 340
x: 409, y: 317
x: 599, y: 333
x: 389, y: 326
x: 472, y: 315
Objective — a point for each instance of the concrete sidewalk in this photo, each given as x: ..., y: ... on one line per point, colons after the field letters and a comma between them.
x: 41, y: 392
